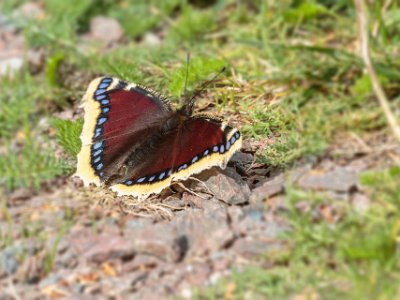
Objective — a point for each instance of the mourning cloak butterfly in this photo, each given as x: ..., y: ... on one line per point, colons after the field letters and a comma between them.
x: 134, y: 142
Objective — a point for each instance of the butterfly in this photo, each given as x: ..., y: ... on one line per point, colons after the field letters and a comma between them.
x: 135, y: 143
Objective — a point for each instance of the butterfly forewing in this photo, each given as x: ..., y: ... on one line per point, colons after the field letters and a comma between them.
x: 117, y: 118
x: 133, y: 116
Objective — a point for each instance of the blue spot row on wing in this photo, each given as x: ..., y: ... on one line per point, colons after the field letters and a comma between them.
x: 167, y: 173
x: 98, y: 145
x: 100, y: 92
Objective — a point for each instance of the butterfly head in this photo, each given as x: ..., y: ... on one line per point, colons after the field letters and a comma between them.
x: 187, y: 108
x: 188, y: 103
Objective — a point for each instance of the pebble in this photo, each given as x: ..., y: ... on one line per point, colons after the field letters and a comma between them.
x: 151, y: 39
x: 30, y: 10
x: 360, y: 202
x: 268, y: 189
x: 338, y: 180
x: 226, y: 185
x: 10, y: 66
x: 100, y: 247
x: 160, y: 240
x: 9, y: 260
x: 105, y: 29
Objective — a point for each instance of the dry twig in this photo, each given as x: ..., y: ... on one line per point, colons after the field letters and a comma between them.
x: 362, y: 22
x: 189, y: 191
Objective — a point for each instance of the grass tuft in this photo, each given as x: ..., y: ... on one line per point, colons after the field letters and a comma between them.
x: 68, y: 135
x: 29, y: 166
x: 200, y: 69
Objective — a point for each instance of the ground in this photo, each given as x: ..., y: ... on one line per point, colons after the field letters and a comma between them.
x: 308, y: 209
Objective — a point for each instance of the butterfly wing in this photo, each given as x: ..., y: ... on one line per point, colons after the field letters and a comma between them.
x: 200, y: 143
x: 117, y: 117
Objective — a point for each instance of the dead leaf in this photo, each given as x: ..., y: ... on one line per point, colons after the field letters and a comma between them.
x: 230, y: 291
x: 54, y: 292
x: 88, y: 278
x: 109, y: 269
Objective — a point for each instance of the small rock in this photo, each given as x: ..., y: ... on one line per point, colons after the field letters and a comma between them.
x: 108, y: 226
x: 359, y: 165
x: 9, y: 260
x: 339, y: 180
x: 327, y: 165
x: 11, y: 41
x: 52, y: 279
x: 268, y: 189
x: 187, y: 293
x: 204, y: 232
x: 215, y: 277
x: 260, y: 171
x: 105, y: 29
x: 235, y: 213
x: 151, y: 39
x: 174, y: 201
x: 256, y: 222
x: 137, y: 224
x: 277, y: 203
x: 30, y: 10
x: 68, y: 259
x: 227, y: 186
x: 360, y: 202
x: 140, y: 278
x: 36, y: 60
x: 298, y: 172
x: 160, y: 240
x: 6, y: 25
x: 242, y: 158
x: 10, y: 66
x: 101, y: 247
x: 196, y: 274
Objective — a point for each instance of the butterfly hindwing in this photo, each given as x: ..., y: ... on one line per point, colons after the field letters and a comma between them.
x: 198, y: 144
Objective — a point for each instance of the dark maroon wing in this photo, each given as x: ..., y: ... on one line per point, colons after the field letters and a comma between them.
x: 200, y: 142
x: 128, y: 113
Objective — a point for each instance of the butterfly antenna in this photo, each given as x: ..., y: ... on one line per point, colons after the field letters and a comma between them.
x: 189, y: 104
x: 187, y: 74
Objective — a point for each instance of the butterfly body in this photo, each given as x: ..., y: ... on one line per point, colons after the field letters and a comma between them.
x: 134, y: 142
